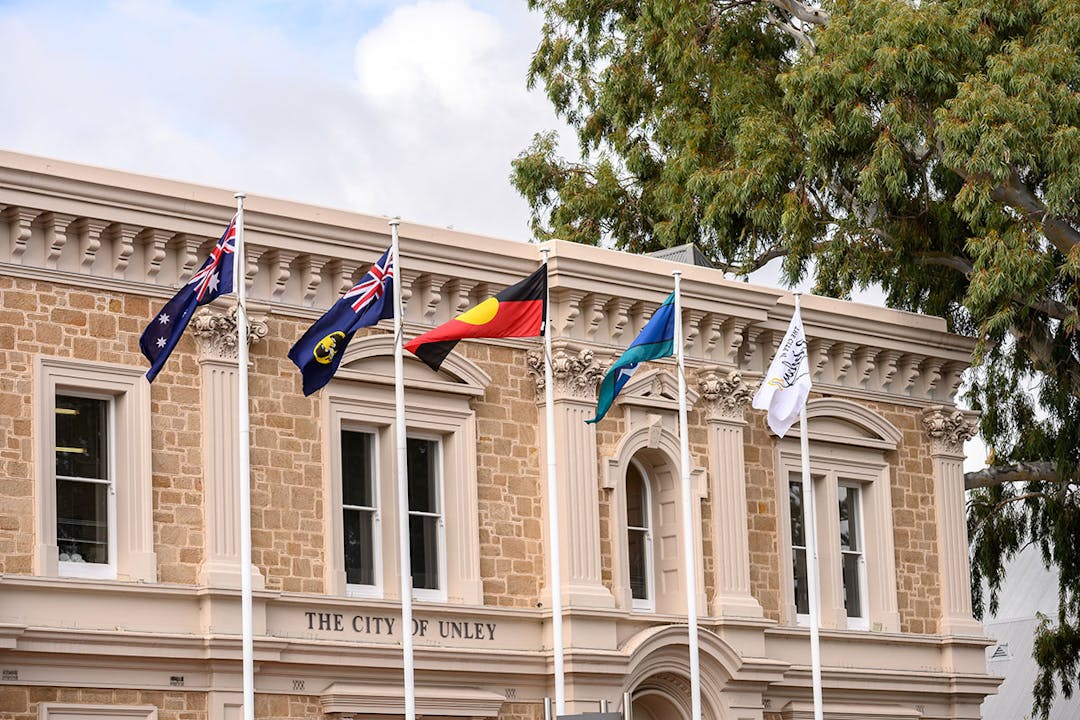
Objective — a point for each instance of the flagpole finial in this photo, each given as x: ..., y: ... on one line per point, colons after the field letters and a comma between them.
x: 240, y: 195
x: 394, y: 221
x: 676, y: 273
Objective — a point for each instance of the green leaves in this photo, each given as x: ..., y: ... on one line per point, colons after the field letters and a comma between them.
x: 928, y: 147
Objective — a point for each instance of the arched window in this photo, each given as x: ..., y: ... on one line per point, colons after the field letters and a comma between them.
x: 639, y: 537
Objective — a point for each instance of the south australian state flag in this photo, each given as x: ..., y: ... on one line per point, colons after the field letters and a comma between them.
x: 518, y: 311
x: 318, y: 353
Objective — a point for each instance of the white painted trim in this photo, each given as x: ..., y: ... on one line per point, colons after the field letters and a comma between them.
x: 131, y: 457
x: 71, y: 711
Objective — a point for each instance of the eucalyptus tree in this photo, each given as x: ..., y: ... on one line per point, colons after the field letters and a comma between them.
x: 929, y: 147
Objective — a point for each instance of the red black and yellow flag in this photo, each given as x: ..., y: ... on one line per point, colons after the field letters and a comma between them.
x: 518, y: 311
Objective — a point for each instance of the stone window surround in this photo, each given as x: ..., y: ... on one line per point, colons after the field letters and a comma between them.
x: 130, y: 394
x: 658, y: 436
x: 839, y: 456
x: 70, y: 711
x: 431, y: 414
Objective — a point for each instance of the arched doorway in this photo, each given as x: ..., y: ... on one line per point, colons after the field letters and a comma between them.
x: 656, y: 704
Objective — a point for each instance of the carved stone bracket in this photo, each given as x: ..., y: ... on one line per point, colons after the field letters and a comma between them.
x: 948, y: 429
x: 725, y: 396
x: 215, y: 333
x: 576, y: 375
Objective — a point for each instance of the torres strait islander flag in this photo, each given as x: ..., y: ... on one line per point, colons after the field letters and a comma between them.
x: 518, y: 311
x: 656, y: 340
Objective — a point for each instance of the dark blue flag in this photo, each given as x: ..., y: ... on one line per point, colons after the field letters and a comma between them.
x: 318, y: 353
x: 214, y: 278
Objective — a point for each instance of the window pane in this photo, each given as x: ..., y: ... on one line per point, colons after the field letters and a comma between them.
x: 796, y: 499
x: 423, y: 475
x: 852, y: 591
x: 357, y: 468
x: 849, y: 518
x: 82, y: 521
x: 639, y: 568
x: 424, y: 551
x: 81, y: 440
x: 359, y: 547
x: 635, y: 498
x: 802, y: 581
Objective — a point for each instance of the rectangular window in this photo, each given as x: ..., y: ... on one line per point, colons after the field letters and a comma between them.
x: 85, y: 493
x: 798, y: 547
x: 359, y: 510
x: 425, y: 517
x: 851, y: 554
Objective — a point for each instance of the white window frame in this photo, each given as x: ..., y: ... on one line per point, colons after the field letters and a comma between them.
x: 132, y: 511
x: 362, y: 393
x: 359, y: 590
x: 100, y: 571
x: 434, y: 594
x: 647, y: 604
x: 800, y: 618
x: 863, y: 621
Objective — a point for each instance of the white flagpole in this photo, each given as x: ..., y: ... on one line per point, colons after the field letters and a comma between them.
x: 810, y: 527
x: 688, y: 506
x: 239, y: 287
x: 553, y: 509
x: 404, y: 556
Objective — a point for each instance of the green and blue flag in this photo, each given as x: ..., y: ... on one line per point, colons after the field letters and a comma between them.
x: 656, y: 340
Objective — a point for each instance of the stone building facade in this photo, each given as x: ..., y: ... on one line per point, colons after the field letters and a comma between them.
x: 119, y: 537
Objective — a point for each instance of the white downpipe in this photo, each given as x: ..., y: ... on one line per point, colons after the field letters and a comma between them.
x: 243, y: 451
x: 401, y: 439
x: 687, y: 511
x: 553, y: 510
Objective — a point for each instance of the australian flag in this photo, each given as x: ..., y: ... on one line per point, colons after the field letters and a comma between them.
x: 318, y: 353
x: 214, y: 278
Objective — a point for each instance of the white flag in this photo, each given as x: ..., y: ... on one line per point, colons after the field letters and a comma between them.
x: 784, y: 389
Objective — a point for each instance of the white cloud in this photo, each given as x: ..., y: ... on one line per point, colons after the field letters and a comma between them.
x: 440, y: 51
x: 411, y: 109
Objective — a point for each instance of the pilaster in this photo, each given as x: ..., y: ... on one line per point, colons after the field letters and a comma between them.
x: 725, y: 397
x: 215, y: 336
x: 947, y: 429
x: 576, y: 376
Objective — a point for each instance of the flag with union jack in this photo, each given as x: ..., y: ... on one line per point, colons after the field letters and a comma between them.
x: 214, y: 278
x: 318, y: 353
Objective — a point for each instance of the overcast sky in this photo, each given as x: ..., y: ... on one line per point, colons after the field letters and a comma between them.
x: 411, y: 108
x: 388, y: 107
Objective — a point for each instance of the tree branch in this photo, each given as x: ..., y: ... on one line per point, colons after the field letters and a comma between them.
x: 959, y: 264
x: 1042, y: 471
x: 1016, y: 195
x: 804, y: 12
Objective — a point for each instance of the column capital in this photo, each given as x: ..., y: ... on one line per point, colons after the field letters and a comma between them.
x: 948, y: 429
x: 215, y: 333
x: 577, y: 375
x: 725, y: 396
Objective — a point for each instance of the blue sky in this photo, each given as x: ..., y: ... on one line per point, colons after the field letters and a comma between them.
x: 411, y: 108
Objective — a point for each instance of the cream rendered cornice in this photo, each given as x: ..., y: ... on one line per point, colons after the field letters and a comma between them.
x: 105, y: 229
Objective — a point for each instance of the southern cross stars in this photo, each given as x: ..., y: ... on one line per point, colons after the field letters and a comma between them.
x: 163, y: 319
x: 161, y: 342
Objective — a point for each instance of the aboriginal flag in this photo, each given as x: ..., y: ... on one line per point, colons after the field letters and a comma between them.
x: 518, y: 311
